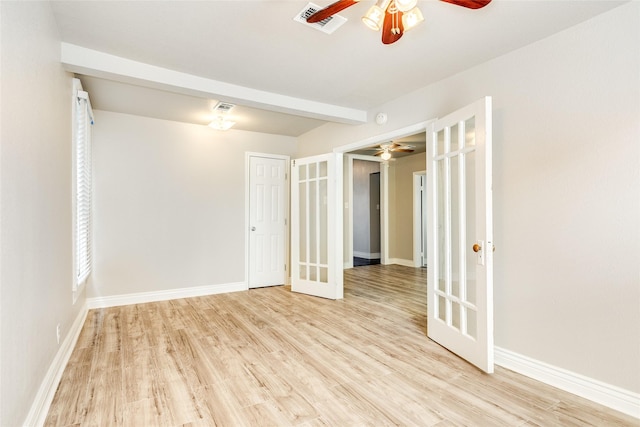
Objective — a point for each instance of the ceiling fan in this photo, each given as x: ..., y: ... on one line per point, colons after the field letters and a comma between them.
x: 384, y: 150
x: 394, y: 17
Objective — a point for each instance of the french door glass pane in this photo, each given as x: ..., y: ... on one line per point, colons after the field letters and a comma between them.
x: 441, y: 240
x: 470, y: 132
x: 470, y: 208
x: 440, y: 143
x: 442, y: 308
x: 324, y: 167
x: 455, y: 315
x: 313, y: 225
x: 303, y: 220
x: 472, y: 325
x: 324, y: 215
x: 455, y: 226
x: 455, y: 138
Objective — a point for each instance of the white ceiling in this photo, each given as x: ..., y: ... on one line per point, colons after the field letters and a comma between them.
x: 257, y: 45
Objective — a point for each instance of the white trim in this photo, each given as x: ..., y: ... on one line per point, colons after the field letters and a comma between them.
x: 417, y: 219
x: 400, y: 261
x: 385, y: 235
x: 349, y: 229
x: 605, y: 394
x: 40, y: 406
x: 366, y: 255
x: 384, y: 186
x: 377, y: 139
x: 349, y: 208
x: 169, y: 294
x: 247, y: 213
x: 338, y: 256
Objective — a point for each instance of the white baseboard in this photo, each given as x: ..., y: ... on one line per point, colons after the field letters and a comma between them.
x: 40, y: 406
x: 144, y: 297
x: 400, y: 261
x: 366, y: 255
x: 605, y: 394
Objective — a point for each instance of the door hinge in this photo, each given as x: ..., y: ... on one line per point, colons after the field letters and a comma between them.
x: 293, y: 163
x: 285, y: 221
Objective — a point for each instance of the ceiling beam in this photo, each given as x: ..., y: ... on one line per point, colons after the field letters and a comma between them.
x: 94, y: 63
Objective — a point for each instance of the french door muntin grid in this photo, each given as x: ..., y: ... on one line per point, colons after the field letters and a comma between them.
x: 455, y: 305
x: 313, y: 182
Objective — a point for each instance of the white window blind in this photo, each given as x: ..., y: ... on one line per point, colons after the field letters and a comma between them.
x: 82, y: 134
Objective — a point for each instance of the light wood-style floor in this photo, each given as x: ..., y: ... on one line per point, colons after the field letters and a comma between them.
x: 270, y: 357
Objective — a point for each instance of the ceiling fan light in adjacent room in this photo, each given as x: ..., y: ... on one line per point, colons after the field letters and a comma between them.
x: 386, y: 155
x: 406, y: 5
x: 374, y: 18
x: 412, y: 18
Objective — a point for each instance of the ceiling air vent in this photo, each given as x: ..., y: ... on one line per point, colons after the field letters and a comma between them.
x: 328, y: 25
x: 223, y: 107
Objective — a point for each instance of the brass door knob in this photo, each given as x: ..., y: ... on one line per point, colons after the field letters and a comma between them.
x: 476, y: 247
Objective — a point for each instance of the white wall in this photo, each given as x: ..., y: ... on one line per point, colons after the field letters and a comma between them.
x: 169, y: 203
x: 35, y: 214
x: 401, y: 212
x: 566, y: 190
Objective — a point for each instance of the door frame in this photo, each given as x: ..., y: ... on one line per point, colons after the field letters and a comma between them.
x: 419, y: 223
x: 384, y: 217
x: 247, y: 212
x: 384, y: 184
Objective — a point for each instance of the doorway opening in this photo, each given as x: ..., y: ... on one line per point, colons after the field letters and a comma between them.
x: 366, y: 212
x: 396, y: 198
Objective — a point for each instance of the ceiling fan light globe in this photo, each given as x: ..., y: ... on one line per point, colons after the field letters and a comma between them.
x: 385, y: 156
x: 406, y: 5
x: 374, y: 18
x: 412, y: 18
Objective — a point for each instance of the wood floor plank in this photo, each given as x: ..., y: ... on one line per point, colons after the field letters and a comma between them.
x: 271, y: 357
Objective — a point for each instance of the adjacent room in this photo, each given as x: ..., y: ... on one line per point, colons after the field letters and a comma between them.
x: 224, y: 213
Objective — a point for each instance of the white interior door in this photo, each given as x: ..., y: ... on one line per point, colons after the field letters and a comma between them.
x: 267, y: 222
x: 316, y: 259
x: 460, y: 252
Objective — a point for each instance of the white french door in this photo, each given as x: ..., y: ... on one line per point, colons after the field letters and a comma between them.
x: 267, y: 222
x: 314, y: 253
x: 460, y: 252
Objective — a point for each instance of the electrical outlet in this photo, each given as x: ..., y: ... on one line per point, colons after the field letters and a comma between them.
x: 58, y: 333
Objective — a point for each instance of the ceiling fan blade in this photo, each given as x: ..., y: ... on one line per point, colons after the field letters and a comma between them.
x: 471, y: 4
x: 403, y: 150
x: 332, y: 9
x: 392, y: 31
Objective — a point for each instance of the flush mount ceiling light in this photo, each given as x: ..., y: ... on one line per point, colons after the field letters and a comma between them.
x: 220, y: 120
x: 220, y: 123
x: 393, y: 17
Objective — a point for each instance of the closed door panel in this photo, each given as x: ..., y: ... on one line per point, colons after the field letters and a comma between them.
x: 267, y: 222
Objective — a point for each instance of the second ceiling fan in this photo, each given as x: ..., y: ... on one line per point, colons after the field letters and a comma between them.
x: 394, y: 17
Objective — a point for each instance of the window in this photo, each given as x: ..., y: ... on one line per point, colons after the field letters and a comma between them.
x: 82, y: 121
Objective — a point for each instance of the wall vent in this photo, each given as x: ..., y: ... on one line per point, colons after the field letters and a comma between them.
x: 328, y: 25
